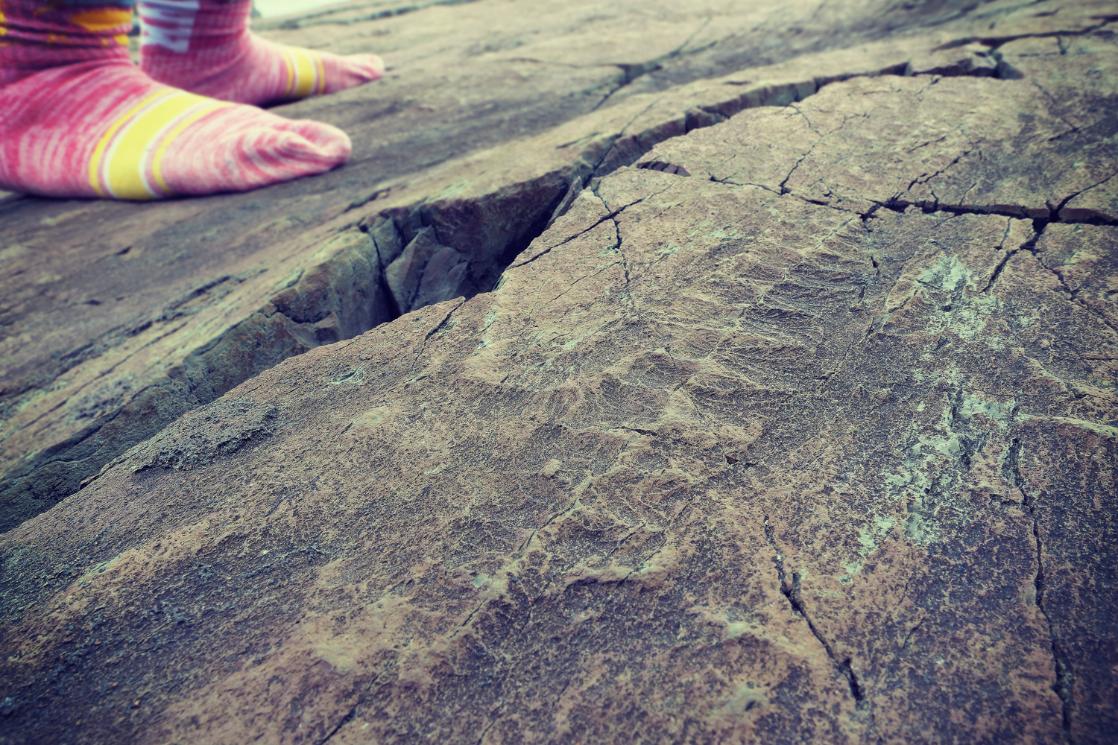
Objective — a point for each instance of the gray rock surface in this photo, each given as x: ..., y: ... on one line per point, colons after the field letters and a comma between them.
x: 117, y: 318
x: 749, y: 379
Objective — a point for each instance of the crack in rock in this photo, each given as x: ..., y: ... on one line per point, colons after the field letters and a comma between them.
x: 1062, y: 685
x: 790, y: 589
x: 632, y: 73
x: 618, y: 247
x: 423, y: 254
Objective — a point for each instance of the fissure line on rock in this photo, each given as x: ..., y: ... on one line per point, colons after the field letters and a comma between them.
x: 603, y: 166
x: 790, y: 589
x: 1022, y: 212
x: 1063, y: 682
x: 580, y: 279
x: 485, y: 730
x: 996, y: 42
x: 612, y: 215
x: 632, y: 73
x: 1030, y: 246
x: 437, y: 328
x: 346, y: 719
x: 782, y: 188
x: 618, y: 243
x: 1000, y: 268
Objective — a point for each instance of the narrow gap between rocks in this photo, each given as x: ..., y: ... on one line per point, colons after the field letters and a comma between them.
x: 472, y: 242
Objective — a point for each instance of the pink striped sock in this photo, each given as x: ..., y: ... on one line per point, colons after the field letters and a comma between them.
x: 205, y: 46
x: 78, y: 119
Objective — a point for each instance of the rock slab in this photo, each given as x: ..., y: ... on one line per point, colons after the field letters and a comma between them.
x: 773, y: 403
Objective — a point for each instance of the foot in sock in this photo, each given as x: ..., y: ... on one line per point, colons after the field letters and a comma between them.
x: 107, y: 130
x: 205, y: 46
x: 78, y: 119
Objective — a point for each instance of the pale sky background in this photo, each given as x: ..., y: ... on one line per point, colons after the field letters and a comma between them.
x: 286, y: 7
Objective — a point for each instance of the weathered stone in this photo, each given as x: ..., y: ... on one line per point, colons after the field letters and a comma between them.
x: 428, y: 272
x: 95, y: 357
x: 900, y: 141
x: 1085, y: 262
x: 713, y: 461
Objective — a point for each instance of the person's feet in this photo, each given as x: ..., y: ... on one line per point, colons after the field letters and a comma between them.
x: 211, y: 51
x: 262, y: 72
x: 104, y: 129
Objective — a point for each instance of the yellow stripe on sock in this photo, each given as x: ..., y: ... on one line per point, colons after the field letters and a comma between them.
x: 126, y: 163
x: 189, y: 118
x: 320, y: 70
x: 304, y: 73
x: 99, y: 150
x: 99, y: 20
x: 289, y: 88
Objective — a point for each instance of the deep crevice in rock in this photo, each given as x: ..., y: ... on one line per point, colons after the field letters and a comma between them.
x: 538, y: 203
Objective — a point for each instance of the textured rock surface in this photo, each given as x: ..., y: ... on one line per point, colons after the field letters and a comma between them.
x: 921, y: 141
x: 118, y: 318
x: 792, y: 417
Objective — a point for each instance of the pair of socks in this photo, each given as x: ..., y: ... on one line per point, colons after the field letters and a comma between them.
x: 78, y: 119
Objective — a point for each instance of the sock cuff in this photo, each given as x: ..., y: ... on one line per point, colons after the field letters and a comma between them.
x: 36, y: 36
x: 181, y: 26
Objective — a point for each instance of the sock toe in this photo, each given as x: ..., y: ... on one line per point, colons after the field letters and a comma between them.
x: 370, y: 66
x: 126, y: 137
x: 313, y: 143
x: 351, y: 71
x: 331, y: 143
x: 250, y: 149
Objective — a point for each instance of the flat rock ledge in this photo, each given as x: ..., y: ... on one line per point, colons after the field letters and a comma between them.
x: 747, y: 378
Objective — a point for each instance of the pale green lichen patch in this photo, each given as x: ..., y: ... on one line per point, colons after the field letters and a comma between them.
x: 372, y: 418
x: 290, y: 280
x: 946, y: 274
x: 12, y: 251
x: 99, y: 569
x: 926, y: 469
x: 998, y: 412
x: 929, y: 478
x: 965, y: 310
x: 452, y: 190
x: 711, y: 231
x: 920, y: 528
x: 869, y: 541
x: 486, y: 340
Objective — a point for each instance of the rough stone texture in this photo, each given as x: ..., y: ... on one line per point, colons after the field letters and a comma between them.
x: 784, y: 410
x: 118, y: 318
x: 923, y: 140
